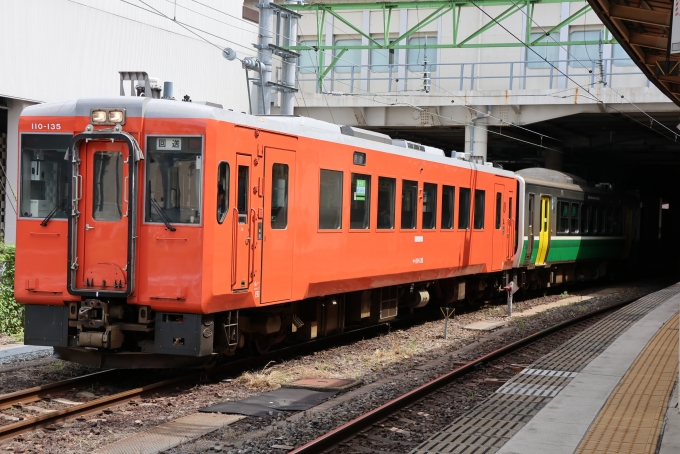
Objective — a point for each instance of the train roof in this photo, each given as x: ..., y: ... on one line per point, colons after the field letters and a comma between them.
x: 299, y: 126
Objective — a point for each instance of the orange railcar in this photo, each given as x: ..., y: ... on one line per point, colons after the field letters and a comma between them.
x: 181, y: 232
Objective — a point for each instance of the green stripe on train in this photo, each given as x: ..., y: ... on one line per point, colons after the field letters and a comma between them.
x: 564, y: 249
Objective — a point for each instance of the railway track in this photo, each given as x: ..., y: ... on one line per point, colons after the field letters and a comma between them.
x: 57, y: 410
x: 362, y: 423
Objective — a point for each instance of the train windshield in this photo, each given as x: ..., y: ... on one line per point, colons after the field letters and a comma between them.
x: 44, y: 176
x: 173, y: 179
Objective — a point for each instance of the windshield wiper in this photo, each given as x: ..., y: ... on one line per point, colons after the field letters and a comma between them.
x: 162, y: 214
x: 50, y: 215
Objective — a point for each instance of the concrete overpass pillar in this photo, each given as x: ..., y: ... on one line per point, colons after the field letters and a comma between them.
x: 476, y: 139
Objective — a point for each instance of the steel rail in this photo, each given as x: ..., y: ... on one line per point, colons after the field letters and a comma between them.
x: 12, y: 430
x: 347, y: 430
x: 39, y: 392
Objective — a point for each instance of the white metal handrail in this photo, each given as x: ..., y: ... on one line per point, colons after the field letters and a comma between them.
x: 468, y: 76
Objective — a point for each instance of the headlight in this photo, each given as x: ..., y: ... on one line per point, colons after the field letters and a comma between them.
x: 115, y: 116
x: 98, y: 116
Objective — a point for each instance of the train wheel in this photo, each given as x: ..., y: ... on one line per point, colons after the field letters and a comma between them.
x: 263, y: 343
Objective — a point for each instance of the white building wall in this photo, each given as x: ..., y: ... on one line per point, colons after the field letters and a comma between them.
x: 63, y: 49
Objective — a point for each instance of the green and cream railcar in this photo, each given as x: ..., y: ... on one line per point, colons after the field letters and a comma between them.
x: 572, y: 231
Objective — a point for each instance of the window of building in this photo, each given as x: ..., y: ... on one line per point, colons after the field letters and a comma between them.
x: 222, y: 191
x: 352, y: 57
x: 330, y: 200
x: 44, y: 176
x: 621, y: 58
x: 308, y: 63
x: 279, y: 220
x: 387, y: 188
x: 585, y: 219
x: 584, y: 54
x: 573, y: 216
x: 563, y: 217
x: 429, y: 206
x: 537, y: 55
x: 174, y: 179
x: 448, y: 193
x: 464, y: 208
x: 360, y: 203
x: 383, y: 59
x: 416, y: 57
x: 480, y: 201
x: 409, y: 203
x: 499, y: 201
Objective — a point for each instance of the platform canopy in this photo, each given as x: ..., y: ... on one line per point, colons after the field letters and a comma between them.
x: 642, y: 27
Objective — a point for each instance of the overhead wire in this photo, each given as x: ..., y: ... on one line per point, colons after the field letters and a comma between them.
x: 571, y: 57
x: 187, y: 27
x: 406, y: 82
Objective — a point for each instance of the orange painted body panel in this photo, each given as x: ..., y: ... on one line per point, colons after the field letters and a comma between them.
x: 195, y: 269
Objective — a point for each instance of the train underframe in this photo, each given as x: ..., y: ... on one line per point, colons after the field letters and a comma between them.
x: 112, y: 334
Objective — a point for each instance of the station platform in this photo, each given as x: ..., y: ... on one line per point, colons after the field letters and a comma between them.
x: 610, y: 389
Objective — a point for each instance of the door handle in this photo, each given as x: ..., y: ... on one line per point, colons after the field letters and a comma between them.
x: 89, y: 227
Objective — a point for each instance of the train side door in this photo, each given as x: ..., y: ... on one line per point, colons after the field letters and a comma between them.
x: 530, y: 227
x: 544, y: 235
x: 103, y: 232
x: 243, y: 234
x: 277, y: 246
x: 511, y: 224
x: 499, y: 253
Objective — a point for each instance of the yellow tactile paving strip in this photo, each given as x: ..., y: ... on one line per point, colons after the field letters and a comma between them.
x: 631, y: 420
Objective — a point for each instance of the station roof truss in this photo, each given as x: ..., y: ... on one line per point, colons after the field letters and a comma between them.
x: 642, y: 27
x: 450, y: 9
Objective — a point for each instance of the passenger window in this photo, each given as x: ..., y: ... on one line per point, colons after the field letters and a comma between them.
x: 222, y: 191
x: 108, y: 180
x: 242, y: 196
x: 531, y: 214
x: 563, y: 214
x: 499, y: 201
x: 574, y: 218
x: 448, y: 193
x: 617, y: 221
x: 429, y: 206
x: 585, y: 219
x: 597, y: 219
x: 386, y: 191
x: 409, y: 203
x: 330, y: 200
x: 510, y: 209
x: 608, y: 220
x: 480, y: 200
x: 360, y: 214
x: 464, y: 208
x: 279, y: 220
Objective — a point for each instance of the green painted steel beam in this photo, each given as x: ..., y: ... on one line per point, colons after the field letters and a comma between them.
x: 413, y: 4
x: 464, y: 46
x: 350, y: 25
x: 330, y: 66
x: 423, y: 23
x: 501, y: 17
x: 566, y: 21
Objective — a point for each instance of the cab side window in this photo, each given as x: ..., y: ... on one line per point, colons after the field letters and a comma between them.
x: 222, y: 191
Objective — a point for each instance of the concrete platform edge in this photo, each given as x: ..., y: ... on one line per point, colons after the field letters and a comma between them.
x: 545, y: 431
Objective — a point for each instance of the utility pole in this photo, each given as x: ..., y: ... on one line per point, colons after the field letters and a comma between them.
x: 264, y: 56
x: 289, y: 62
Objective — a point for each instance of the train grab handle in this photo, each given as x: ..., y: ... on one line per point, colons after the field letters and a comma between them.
x: 234, y: 245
